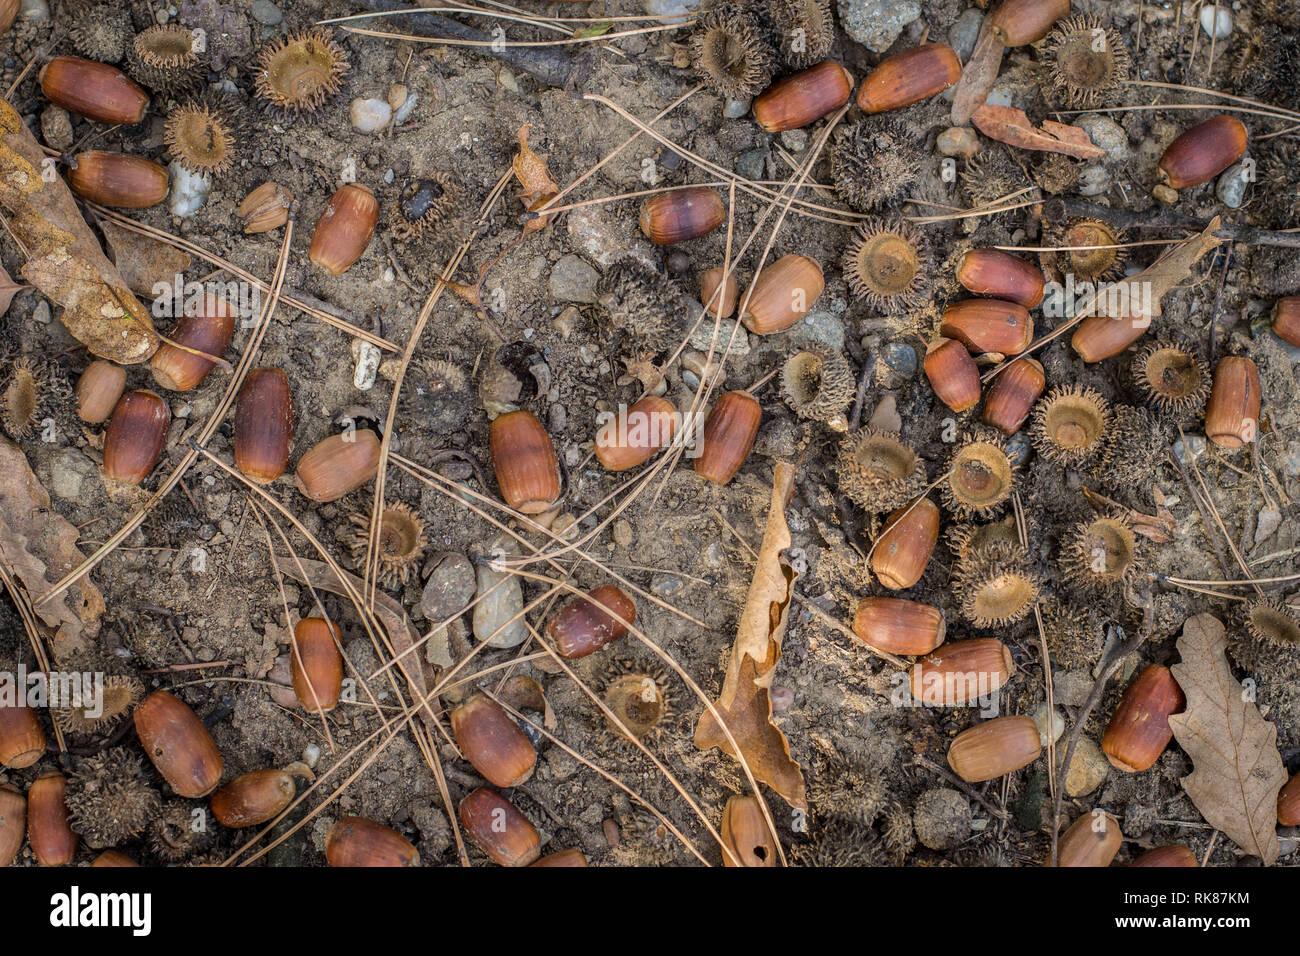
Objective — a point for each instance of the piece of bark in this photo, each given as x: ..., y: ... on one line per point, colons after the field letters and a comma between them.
x: 977, y: 76
x: 141, y: 260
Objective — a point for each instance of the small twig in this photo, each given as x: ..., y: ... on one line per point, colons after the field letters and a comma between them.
x: 1060, y: 208
x: 961, y: 785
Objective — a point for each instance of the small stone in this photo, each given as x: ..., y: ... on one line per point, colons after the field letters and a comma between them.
x: 703, y: 335
x: 1233, y: 184
x: 750, y: 164
x: 567, y: 321
x: 820, y: 327
x: 782, y: 697
x: 958, y: 141
x: 1216, y: 21
x: 1071, y: 688
x: 876, y: 24
x: 189, y: 191
x: 941, y: 818
x: 795, y: 140
x: 670, y: 8
x: 1108, y: 135
x: 56, y: 128
x: 68, y: 469
x: 666, y: 585
x: 964, y: 32
x: 449, y: 589
x: 901, y: 357
x: 1191, y: 452
x: 311, y: 755
x: 1088, y: 767
x: 501, y: 599
x: 35, y: 10
x: 41, y: 314
x: 266, y: 12
x: 1041, y: 721
x: 1165, y: 194
x: 622, y: 534
x: 370, y: 116
x: 1094, y: 180
x: 1000, y: 96
x: 573, y: 280
x: 735, y: 109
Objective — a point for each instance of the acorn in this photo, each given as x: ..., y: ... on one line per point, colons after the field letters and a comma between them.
x: 1102, y: 336
x: 48, y: 831
x: 980, y: 475
x: 1176, y: 855
x: 721, y: 304
x: 909, y: 77
x: 1232, y: 412
x: 136, y: 435
x: 1202, y: 152
x: 178, y: 744
x: 112, y: 858
x: 681, y: 214
x: 118, y: 179
x: 1018, y: 22
x: 952, y: 373
x: 1001, y: 275
x: 1091, y: 840
x: 988, y: 325
x: 728, y: 436
x: 8, y: 13
x: 13, y: 824
x: 994, y: 748
x: 98, y: 389
x: 528, y: 473
x: 208, y: 330
x: 781, y: 294
x: 898, y: 626
x: 498, y: 828
x: 344, y: 229
x: 586, y: 624
x: 745, y: 833
x: 265, y: 208
x: 569, y: 857
x: 1013, y: 394
x: 904, y: 547
x: 22, y: 741
x: 490, y: 739
x: 803, y: 98
x: 339, y: 464
x: 96, y: 91
x: 961, y: 671
x: 1286, y: 319
x: 1288, y: 804
x: 356, y: 841
x: 252, y: 798
x: 629, y: 440
x: 316, y: 664
x: 264, y: 419
x: 1139, y: 732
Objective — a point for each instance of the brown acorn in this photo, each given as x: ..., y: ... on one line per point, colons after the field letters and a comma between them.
x: 1018, y: 22
x: 1013, y: 395
x: 48, y: 831
x: 356, y: 841
x: 1102, y: 336
x: 898, y: 626
x: 728, y: 436
x: 1001, y: 275
x: 528, y: 473
x: 1139, y: 732
x: 98, y: 389
x: 178, y: 744
x: 781, y: 294
x: 1232, y: 412
x: 136, y: 435
x: 489, y: 738
x: 1176, y: 855
x: 1286, y: 319
x: 96, y: 91
x: 1202, y: 152
x: 802, y: 98
x: 903, y: 549
x: 252, y: 798
x: 952, y: 373
x: 339, y: 464
x: 586, y: 624
x: 961, y: 671
x: 345, y: 228
x: 569, y: 857
x: 719, y: 304
x: 263, y: 425
x: 209, y: 331
x: 994, y: 748
x: 118, y: 179
x: 8, y: 13
x: 1091, y: 840
x: 681, y: 214
x: 745, y: 833
x: 1288, y: 803
x: 627, y: 441
x: 13, y: 824
x: 316, y: 664
x: 112, y: 858
x: 498, y: 828
x: 265, y: 208
x: 909, y: 77
x: 22, y: 741
x: 988, y: 325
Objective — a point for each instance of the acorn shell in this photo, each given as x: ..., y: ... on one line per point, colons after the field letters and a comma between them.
x: 265, y: 208
x: 498, y: 828
x: 745, y: 833
x: 994, y: 748
x: 209, y: 330
x: 802, y: 98
x: 1202, y: 152
x: 1012, y: 396
x: 52, y: 839
x: 356, y: 841
x: 728, y: 436
x: 490, y: 739
x: 136, y: 436
x: 1232, y: 411
x: 898, y: 626
x: 22, y: 741
x: 903, y: 549
x: 586, y: 624
x: 98, y: 390
x: 781, y: 294
x: 959, y: 672
x: 315, y: 663
x: 1139, y: 731
x: 118, y: 179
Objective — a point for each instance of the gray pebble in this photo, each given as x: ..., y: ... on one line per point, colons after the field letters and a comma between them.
x: 1189, y: 453
x: 266, y: 12
x: 876, y: 24
x: 735, y: 109
x: 795, y: 139
x: 964, y: 32
x: 750, y: 164
x: 667, y: 585
x: 573, y: 280
x: 1107, y: 134
x: 1234, y: 183
x: 901, y: 358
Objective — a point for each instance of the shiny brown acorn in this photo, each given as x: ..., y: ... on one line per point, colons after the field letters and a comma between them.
x: 898, y: 626
x: 498, y: 828
x: 316, y: 664
x: 1013, y: 394
x: 586, y: 624
x: 1139, y: 732
x: 988, y: 325
x: 1001, y: 275
x: 112, y: 858
x: 22, y: 741
x: 96, y: 91
x: 909, y: 77
x: 1101, y: 336
x: 721, y: 303
x: 1288, y: 803
x: 208, y: 330
x: 1202, y: 152
x: 339, y: 464
x: 264, y: 422
x: 344, y: 229
x: 265, y: 208
x: 1286, y: 319
x: 994, y: 748
x: 48, y: 830
x: 681, y: 214
x: 802, y: 98
x: 745, y: 833
x: 1176, y: 855
x: 781, y: 294
x: 356, y: 841
x: 952, y: 374
x: 8, y: 13
x: 118, y: 179
x: 1091, y: 840
x: 1018, y: 22
x: 562, y: 858
x: 728, y: 436
x: 136, y: 435
x: 528, y: 473
x: 1232, y: 411
x: 489, y: 738
x: 903, y: 549
x: 98, y: 389
x: 13, y: 824
x: 960, y: 672
x: 178, y: 744
x: 252, y: 798
x: 627, y: 441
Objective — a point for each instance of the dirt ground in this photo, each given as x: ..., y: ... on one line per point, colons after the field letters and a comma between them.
x: 868, y: 796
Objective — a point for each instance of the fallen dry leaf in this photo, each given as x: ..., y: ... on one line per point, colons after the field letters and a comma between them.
x: 523, y: 693
x: 8, y: 289
x: 1159, y: 527
x: 745, y: 703
x: 539, y: 187
x: 1172, y: 269
x: 977, y: 76
x: 1011, y: 126
x: 143, y: 261
x: 1236, y: 768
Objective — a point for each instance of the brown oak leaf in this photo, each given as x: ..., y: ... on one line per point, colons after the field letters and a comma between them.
x: 1009, y: 125
x: 539, y: 186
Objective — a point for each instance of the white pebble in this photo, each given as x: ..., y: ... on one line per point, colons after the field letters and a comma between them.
x: 404, y: 111
x: 370, y: 116
x: 35, y: 10
x: 311, y: 754
x: 368, y: 359
x: 1216, y: 22
x: 189, y: 191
